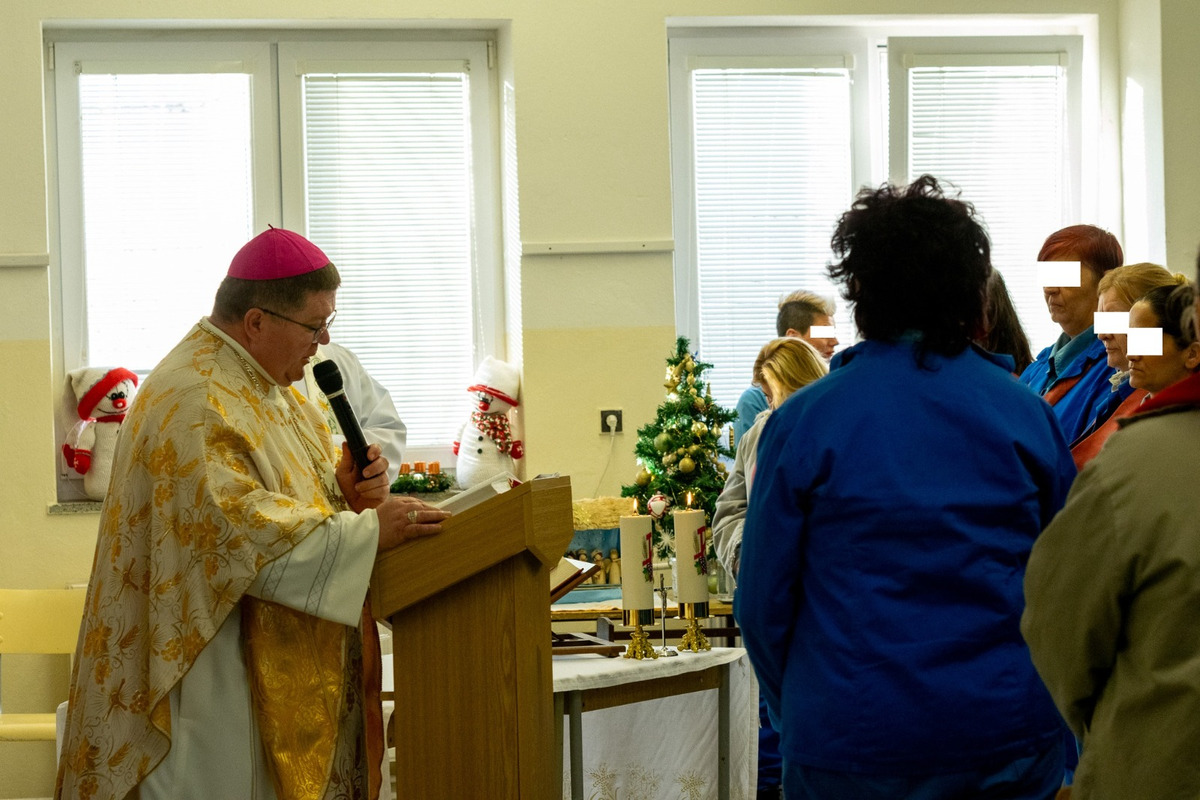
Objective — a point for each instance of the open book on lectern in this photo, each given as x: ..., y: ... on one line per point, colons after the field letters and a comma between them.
x: 497, y: 484
x: 565, y: 575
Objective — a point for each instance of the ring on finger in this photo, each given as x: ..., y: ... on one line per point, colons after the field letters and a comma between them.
x: 412, y: 516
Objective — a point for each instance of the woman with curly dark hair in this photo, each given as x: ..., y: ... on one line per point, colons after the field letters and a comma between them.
x: 895, y: 503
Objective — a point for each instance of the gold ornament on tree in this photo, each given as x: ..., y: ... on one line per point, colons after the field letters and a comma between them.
x: 678, y: 452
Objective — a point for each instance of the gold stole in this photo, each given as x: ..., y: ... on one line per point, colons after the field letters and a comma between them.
x: 296, y: 665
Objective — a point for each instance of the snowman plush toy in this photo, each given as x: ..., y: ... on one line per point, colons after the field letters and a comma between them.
x: 486, y: 447
x: 103, y: 397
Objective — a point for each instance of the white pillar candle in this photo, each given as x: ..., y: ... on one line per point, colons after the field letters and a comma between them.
x: 637, y: 587
x: 691, y: 561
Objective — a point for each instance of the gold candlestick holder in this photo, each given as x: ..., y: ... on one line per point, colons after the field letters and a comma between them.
x: 694, y: 638
x: 639, y: 644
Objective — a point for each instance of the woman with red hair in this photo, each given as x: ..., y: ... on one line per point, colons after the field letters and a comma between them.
x: 1073, y: 373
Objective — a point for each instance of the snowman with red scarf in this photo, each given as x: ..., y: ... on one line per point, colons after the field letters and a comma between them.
x: 485, y: 446
x: 104, y: 396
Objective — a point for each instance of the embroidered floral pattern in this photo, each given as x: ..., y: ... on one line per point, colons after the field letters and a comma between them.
x: 210, y: 483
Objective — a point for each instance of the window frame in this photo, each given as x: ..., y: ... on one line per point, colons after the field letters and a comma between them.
x: 991, y: 51
x: 1064, y: 51
x: 873, y: 81
x: 68, y: 259
x: 300, y: 57
x: 757, y: 47
x: 278, y: 184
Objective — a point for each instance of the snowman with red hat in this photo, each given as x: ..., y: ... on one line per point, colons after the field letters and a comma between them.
x: 485, y: 446
x: 103, y: 398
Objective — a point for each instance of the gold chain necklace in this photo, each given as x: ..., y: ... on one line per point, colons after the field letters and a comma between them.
x: 333, y: 494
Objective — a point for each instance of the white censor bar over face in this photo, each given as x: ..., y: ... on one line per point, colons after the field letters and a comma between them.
x: 822, y: 332
x: 1059, y: 273
x: 1141, y: 341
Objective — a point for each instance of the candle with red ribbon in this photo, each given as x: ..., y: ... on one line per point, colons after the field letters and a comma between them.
x: 637, y: 568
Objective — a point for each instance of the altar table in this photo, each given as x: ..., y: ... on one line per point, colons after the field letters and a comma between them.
x: 685, y: 726
x: 679, y: 727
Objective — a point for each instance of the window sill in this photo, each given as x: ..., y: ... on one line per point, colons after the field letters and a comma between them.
x: 74, y: 507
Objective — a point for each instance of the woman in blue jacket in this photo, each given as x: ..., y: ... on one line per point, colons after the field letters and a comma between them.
x: 1072, y: 374
x: 895, y: 505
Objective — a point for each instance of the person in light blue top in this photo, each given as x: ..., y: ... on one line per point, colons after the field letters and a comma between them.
x: 798, y: 313
x: 895, y: 503
x: 1073, y: 373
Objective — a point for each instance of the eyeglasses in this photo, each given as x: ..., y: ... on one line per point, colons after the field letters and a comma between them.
x: 317, y: 332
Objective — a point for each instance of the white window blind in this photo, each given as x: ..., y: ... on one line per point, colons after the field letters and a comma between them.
x: 171, y: 155
x: 998, y: 126
x: 768, y: 152
x: 389, y: 191
x: 772, y: 173
x: 998, y: 133
x: 167, y: 197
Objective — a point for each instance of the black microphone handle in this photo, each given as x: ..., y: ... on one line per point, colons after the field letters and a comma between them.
x: 350, y: 428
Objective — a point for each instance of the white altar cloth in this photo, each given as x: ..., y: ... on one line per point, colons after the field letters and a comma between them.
x: 665, y: 747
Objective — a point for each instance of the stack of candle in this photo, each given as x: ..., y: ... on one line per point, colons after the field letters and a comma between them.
x: 691, y: 556
x: 434, y: 468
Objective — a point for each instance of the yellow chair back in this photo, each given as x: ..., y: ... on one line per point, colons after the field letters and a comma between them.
x: 37, y: 621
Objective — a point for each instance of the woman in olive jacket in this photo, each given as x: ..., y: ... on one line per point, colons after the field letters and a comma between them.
x: 1113, y: 604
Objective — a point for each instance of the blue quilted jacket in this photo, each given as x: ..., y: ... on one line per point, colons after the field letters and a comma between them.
x: 880, y: 591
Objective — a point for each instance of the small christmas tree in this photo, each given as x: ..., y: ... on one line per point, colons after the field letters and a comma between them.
x: 680, y: 451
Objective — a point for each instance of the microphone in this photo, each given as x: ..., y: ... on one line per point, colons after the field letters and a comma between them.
x: 329, y: 379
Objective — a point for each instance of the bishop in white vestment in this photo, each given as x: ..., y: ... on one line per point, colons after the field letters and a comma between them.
x: 225, y: 649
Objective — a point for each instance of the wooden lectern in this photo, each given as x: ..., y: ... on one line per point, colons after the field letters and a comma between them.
x: 470, y: 616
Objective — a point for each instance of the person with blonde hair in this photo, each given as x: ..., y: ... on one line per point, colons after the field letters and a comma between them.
x: 783, y: 366
x: 1119, y: 290
x: 799, y: 312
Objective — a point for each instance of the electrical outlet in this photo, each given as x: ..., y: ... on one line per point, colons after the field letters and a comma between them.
x: 605, y: 425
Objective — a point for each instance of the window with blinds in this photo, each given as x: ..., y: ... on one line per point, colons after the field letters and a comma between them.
x: 997, y: 125
x: 171, y: 156
x: 772, y: 136
x: 166, y: 197
x: 388, y: 174
x: 771, y: 160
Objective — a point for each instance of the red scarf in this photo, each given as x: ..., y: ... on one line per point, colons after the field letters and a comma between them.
x: 495, y: 427
x: 1184, y: 393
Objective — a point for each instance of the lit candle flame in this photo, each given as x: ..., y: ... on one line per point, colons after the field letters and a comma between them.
x: 689, y: 500
x: 635, y: 507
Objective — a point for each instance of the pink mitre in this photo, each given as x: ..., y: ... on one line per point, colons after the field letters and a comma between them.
x: 276, y: 253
